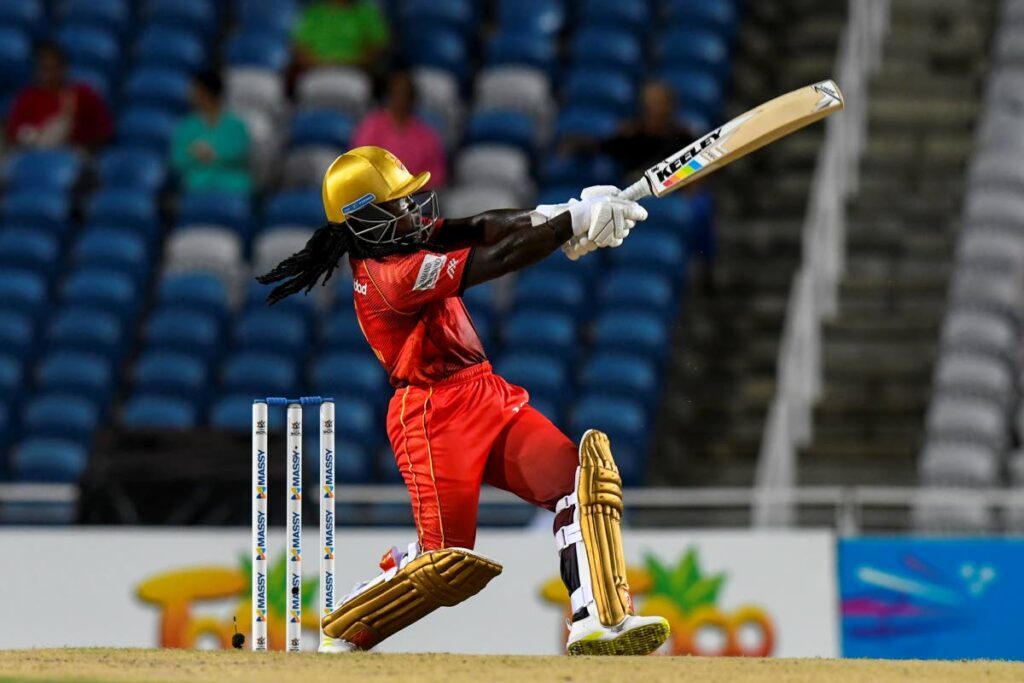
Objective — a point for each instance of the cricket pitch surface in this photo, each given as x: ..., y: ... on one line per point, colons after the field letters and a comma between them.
x: 191, y: 666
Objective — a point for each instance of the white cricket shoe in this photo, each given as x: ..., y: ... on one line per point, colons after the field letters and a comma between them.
x: 632, y: 636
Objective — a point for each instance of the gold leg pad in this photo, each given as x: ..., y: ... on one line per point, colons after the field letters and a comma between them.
x: 440, y: 578
x: 599, y: 494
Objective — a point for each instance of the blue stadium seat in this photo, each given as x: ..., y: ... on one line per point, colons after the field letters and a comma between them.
x: 503, y: 128
x: 11, y: 374
x: 276, y: 331
x: 170, y: 48
x: 108, y: 290
x: 228, y: 209
x: 186, y: 331
x: 620, y: 418
x: 61, y: 416
x: 431, y: 15
x: 514, y: 46
x: 303, y: 208
x: 162, y: 88
x: 146, y: 127
x: 657, y: 251
x: 276, y: 16
x: 15, y: 59
x: 621, y: 374
x: 261, y: 49
x: 153, y: 411
x: 22, y: 290
x: 90, y: 47
x: 341, y: 331
x: 108, y: 15
x: 196, y: 16
x: 714, y: 15
x: 16, y: 333
x: 695, y: 89
x: 232, y: 413
x: 607, y: 48
x: 670, y: 213
x: 321, y: 127
x: 50, y: 170
x: 615, y: 14
x: 172, y: 374
x: 48, y: 460
x: 6, y: 434
x: 78, y: 373
x: 585, y: 122
x: 86, y: 329
x: 695, y: 47
x: 122, y: 208
x: 30, y: 249
x: 113, y: 248
x: 482, y: 296
x: 94, y: 78
x: 195, y: 291
x: 483, y: 321
x: 545, y: 17
x: 260, y: 374
x: 562, y: 291
x: 133, y: 168
x: 636, y: 332
x: 539, y: 373
x: 543, y: 331
x: 354, y: 373
x: 31, y: 209
x: 552, y: 410
x: 579, y: 171
x: 638, y: 289
x: 445, y: 50
x: 606, y: 89
x: 23, y: 15
x: 355, y: 418
x: 353, y: 462
x: 558, y: 264
x: 256, y: 297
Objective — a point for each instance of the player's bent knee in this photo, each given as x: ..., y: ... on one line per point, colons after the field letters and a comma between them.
x: 407, y: 592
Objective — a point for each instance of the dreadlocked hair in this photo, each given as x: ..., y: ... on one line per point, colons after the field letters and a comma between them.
x: 320, y: 257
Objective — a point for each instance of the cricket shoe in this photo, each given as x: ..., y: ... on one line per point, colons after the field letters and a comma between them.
x: 632, y: 636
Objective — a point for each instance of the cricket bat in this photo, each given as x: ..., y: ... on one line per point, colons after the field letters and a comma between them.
x: 737, y: 138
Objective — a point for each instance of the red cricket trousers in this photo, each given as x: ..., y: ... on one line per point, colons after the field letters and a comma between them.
x: 474, y: 427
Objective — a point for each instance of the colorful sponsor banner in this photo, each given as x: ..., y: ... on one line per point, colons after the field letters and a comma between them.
x: 725, y: 593
x: 932, y: 598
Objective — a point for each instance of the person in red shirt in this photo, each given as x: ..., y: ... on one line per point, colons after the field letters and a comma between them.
x: 452, y: 422
x: 54, y: 112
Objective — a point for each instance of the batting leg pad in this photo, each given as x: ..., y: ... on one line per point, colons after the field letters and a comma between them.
x: 440, y: 578
x: 593, y: 538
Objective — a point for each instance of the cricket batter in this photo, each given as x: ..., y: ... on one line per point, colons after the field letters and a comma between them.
x: 452, y: 422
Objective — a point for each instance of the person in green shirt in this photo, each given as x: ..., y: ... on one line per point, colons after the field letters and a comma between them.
x: 210, y: 146
x: 340, y: 32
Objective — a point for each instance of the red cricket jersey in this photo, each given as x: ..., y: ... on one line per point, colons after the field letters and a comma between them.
x: 411, y: 312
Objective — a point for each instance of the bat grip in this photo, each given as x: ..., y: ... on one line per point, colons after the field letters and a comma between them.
x: 637, y: 190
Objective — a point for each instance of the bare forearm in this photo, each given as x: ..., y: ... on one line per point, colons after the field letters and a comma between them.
x: 485, y: 229
x: 519, y: 249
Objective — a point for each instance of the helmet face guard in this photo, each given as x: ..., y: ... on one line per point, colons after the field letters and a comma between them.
x: 374, y: 224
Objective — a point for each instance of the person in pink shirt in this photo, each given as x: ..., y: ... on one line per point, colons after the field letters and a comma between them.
x: 396, y: 127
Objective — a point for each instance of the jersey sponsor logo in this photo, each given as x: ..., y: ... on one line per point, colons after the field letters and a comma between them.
x: 359, y: 203
x: 452, y: 265
x: 359, y: 287
x: 430, y: 271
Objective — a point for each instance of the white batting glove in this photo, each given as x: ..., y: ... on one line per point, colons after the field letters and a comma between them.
x: 611, y: 222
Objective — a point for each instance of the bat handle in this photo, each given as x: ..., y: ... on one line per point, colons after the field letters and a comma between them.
x: 637, y: 190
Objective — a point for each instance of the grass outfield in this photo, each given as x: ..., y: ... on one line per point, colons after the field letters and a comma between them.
x: 195, y: 667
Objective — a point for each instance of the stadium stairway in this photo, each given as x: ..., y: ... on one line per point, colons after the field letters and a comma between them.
x: 727, y: 342
x: 879, y: 351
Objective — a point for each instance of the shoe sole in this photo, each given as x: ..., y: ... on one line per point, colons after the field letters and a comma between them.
x: 639, y: 641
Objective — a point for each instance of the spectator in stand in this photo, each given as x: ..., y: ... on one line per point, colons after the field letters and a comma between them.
x: 210, y: 147
x: 54, y: 111
x: 396, y: 128
x: 340, y: 33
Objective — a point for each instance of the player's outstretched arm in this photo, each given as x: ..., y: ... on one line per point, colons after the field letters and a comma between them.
x: 482, y: 230
x: 523, y: 239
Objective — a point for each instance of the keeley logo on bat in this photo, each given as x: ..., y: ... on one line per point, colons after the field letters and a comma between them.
x: 666, y: 170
